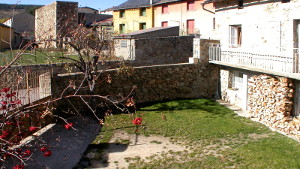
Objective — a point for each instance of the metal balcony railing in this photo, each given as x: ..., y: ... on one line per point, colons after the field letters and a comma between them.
x: 278, y: 61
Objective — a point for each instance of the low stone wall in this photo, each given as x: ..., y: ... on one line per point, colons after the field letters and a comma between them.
x: 154, y: 83
x: 271, y: 102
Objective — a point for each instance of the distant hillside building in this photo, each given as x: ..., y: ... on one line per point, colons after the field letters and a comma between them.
x: 55, y: 21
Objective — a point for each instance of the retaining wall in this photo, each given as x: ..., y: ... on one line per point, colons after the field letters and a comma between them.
x: 154, y: 83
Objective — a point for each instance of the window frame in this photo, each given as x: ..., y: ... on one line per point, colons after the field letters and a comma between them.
x: 235, y: 36
x: 189, y: 5
x: 142, y: 25
x: 143, y: 12
x: 165, y: 9
x: 122, y: 14
x: 164, y: 22
x: 122, y: 28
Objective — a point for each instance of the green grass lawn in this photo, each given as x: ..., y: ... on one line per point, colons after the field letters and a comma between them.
x: 30, y: 57
x: 214, y: 136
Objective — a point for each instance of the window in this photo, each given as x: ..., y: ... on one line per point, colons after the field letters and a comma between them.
x: 214, y: 23
x: 142, y: 26
x: 190, y: 5
x: 123, y: 43
x: 235, y: 80
x: 165, y: 9
x: 122, y: 14
x: 143, y: 12
x: 122, y: 28
x: 235, y: 37
x: 164, y: 24
x: 190, y: 26
x: 240, y: 4
x: 285, y: 1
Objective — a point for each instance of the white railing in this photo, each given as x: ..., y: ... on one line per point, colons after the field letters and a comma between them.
x: 279, y: 61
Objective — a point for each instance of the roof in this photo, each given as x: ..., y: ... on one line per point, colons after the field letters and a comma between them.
x: 166, y: 1
x: 87, y: 10
x: 23, y: 22
x: 108, y: 21
x: 88, y: 18
x: 211, y: 1
x: 130, y: 4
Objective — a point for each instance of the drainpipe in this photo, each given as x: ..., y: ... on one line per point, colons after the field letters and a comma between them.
x: 203, y: 7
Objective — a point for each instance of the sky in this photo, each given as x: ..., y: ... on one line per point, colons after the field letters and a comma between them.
x: 96, y: 4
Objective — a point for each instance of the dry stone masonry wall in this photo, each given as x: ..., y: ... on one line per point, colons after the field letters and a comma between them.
x: 154, y: 83
x: 271, y: 101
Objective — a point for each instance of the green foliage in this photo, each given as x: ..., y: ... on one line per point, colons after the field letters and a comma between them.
x: 31, y: 57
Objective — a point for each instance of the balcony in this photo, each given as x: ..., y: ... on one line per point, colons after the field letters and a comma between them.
x: 279, y: 62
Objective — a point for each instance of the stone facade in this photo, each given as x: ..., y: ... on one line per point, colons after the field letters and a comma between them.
x: 55, y: 21
x: 154, y: 83
x: 163, y: 50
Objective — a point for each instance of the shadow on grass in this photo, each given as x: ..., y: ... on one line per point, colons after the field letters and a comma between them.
x: 207, y: 105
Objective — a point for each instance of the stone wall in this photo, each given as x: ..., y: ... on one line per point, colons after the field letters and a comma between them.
x: 165, y: 50
x: 55, y: 19
x: 149, y: 51
x: 154, y: 83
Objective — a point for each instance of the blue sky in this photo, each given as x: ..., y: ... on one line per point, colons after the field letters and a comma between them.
x: 97, y: 4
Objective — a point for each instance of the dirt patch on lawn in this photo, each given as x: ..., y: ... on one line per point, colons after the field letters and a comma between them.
x: 124, y: 147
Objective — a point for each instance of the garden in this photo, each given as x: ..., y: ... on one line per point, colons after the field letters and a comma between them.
x: 197, y: 133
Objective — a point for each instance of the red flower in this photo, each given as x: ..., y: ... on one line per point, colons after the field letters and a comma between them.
x: 5, y: 90
x: 137, y: 121
x: 47, y: 153
x: 32, y: 129
x: 43, y: 149
x: 27, y: 153
x: 18, y: 167
x: 68, y: 126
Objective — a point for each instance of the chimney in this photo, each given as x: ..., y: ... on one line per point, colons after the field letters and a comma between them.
x: 151, y: 2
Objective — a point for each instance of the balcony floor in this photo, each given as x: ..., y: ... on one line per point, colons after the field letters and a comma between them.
x: 295, y: 76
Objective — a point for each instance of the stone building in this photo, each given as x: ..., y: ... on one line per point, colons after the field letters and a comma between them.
x: 54, y: 22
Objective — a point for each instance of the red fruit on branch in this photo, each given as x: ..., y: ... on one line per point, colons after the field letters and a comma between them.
x: 47, y: 153
x: 68, y: 126
x: 4, y: 102
x: 137, y: 121
x: 32, y: 129
x: 27, y: 153
x: 18, y: 167
x: 5, y: 90
x: 43, y: 149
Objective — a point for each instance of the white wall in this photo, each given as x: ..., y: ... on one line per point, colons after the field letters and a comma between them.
x: 265, y: 27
